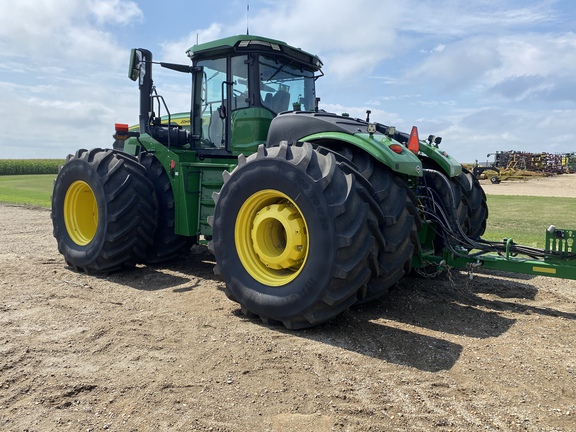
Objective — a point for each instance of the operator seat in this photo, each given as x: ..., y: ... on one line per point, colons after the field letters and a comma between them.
x: 280, y: 101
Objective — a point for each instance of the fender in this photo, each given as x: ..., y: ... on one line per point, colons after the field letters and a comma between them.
x: 321, y: 128
x: 449, y: 165
x: 378, y: 146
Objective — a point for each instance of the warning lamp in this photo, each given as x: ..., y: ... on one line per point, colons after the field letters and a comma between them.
x: 121, y: 127
x: 396, y: 148
x: 414, y: 141
x: 123, y: 132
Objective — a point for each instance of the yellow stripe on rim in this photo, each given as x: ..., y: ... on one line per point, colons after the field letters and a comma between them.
x: 80, y: 213
x: 271, y: 238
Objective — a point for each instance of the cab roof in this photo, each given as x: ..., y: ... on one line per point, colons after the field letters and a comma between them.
x: 251, y: 43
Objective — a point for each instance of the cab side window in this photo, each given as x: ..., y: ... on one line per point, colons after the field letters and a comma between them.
x: 213, y: 84
x: 224, y: 90
x: 240, y: 96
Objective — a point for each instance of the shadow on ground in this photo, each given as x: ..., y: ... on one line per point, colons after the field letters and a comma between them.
x: 400, y: 327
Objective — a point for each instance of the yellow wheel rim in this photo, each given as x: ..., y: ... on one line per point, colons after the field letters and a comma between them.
x: 80, y: 213
x: 271, y: 238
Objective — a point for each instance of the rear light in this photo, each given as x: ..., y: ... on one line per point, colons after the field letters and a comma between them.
x: 396, y: 148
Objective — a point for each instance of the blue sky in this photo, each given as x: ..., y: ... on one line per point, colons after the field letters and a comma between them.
x: 484, y: 75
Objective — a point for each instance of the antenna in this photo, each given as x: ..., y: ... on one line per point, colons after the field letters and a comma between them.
x: 247, y: 17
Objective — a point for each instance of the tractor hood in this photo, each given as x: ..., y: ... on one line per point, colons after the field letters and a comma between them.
x: 293, y: 126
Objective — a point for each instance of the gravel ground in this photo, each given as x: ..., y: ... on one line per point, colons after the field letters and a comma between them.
x: 162, y: 348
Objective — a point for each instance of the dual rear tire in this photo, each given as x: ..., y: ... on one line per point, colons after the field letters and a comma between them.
x: 293, y: 238
x: 300, y: 234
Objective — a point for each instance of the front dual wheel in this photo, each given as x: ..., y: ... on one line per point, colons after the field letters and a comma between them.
x: 104, y: 213
x: 293, y: 238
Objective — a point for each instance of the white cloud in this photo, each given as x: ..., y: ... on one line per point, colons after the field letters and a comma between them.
x: 507, y: 69
x: 175, y: 51
x: 46, y: 121
x: 354, y: 39
x: 536, y: 67
x: 536, y: 54
x: 32, y: 20
x: 472, y: 134
x: 53, y: 30
x: 458, y: 65
x: 345, y: 49
x: 557, y: 120
x: 349, y: 37
x: 116, y: 11
x: 453, y: 19
x: 61, y: 71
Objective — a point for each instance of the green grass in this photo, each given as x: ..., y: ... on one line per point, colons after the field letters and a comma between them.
x: 526, y: 218
x: 34, y: 190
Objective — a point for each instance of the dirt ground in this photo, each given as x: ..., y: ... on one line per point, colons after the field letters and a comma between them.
x: 563, y: 186
x: 162, y: 348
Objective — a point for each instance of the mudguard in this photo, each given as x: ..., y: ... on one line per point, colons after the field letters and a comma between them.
x: 322, y: 128
x: 449, y: 165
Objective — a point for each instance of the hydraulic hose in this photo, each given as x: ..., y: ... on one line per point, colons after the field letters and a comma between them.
x: 454, y: 236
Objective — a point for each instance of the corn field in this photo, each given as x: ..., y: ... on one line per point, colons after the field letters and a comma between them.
x: 30, y: 166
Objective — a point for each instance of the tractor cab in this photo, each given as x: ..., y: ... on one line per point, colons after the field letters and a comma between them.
x: 241, y: 83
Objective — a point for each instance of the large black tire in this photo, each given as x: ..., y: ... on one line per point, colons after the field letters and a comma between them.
x: 476, y: 201
x: 292, y: 236
x: 104, y: 211
x: 399, y: 225
x: 167, y: 245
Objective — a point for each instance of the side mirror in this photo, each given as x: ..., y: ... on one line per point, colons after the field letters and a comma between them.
x: 135, y: 68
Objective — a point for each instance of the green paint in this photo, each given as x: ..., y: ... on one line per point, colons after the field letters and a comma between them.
x: 378, y: 147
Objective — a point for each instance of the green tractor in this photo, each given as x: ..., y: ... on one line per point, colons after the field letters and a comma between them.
x: 307, y: 212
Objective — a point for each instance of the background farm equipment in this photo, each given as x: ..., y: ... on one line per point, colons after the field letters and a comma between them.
x: 516, y: 165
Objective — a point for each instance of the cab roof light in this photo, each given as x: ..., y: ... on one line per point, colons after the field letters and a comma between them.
x: 245, y: 43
